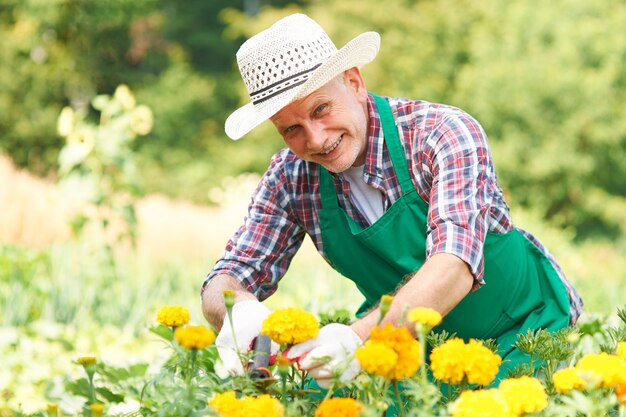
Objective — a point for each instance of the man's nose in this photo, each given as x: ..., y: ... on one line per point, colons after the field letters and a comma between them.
x: 316, y: 136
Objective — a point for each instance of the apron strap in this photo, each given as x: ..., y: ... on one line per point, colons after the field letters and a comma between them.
x: 392, y: 140
x: 327, y: 191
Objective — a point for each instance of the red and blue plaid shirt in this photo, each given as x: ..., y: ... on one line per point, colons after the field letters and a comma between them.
x: 452, y: 169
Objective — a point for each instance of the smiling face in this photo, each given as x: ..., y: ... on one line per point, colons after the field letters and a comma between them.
x: 329, y: 126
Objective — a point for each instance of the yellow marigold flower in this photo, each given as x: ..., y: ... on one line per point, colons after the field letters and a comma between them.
x: 447, y: 361
x: 404, y: 345
x: 481, y: 364
x: 566, y: 380
x: 261, y: 406
x: 97, y: 409
x: 424, y: 315
x: 376, y: 358
x: 621, y: 350
x: 609, y: 369
x: 339, y: 407
x: 483, y: 403
x: 454, y: 360
x: 194, y: 337
x: 524, y: 395
x: 87, y: 360
x: 52, y: 409
x: 173, y: 316
x: 289, y: 326
x: 225, y: 403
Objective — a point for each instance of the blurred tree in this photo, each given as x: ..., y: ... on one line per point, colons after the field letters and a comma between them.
x: 547, y: 81
x: 172, y: 53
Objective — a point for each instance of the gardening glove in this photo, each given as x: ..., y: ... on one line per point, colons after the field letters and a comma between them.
x: 328, y: 355
x: 248, y: 318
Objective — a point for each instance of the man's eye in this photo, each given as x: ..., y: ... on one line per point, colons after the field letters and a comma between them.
x: 289, y: 129
x: 319, y: 109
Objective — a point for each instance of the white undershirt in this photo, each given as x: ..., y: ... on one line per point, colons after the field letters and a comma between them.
x: 367, y: 199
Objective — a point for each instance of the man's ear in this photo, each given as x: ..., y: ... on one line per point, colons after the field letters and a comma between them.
x: 353, y: 79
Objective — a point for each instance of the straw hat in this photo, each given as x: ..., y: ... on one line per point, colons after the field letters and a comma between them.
x: 288, y: 61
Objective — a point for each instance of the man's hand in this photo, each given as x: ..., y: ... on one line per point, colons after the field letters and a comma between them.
x: 330, y: 353
x: 248, y: 318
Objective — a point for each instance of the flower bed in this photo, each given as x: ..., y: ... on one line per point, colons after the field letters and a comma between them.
x: 576, y: 371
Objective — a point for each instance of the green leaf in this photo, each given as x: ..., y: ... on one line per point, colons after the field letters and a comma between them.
x: 109, y: 395
x: 162, y: 331
x: 79, y: 387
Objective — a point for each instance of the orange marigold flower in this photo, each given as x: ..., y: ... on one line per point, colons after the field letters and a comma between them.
x: 610, y: 370
x: 173, y: 316
x: 289, y: 326
x: 524, y: 395
x: 620, y: 392
x: 376, y: 358
x: 194, y: 337
x: 566, y: 380
x: 404, y: 345
x: 339, y: 407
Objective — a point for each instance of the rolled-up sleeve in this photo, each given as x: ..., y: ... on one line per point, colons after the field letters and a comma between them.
x: 460, y: 197
x: 260, y: 252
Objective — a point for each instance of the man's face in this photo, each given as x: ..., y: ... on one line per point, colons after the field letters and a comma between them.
x: 329, y: 126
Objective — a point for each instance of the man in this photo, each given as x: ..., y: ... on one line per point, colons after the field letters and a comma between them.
x: 399, y: 196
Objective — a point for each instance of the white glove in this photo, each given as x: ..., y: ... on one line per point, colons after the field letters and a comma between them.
x: 330, y: 353
x: 248, y: 319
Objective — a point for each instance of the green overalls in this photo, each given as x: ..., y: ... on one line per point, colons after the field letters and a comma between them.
x: 522, y: 290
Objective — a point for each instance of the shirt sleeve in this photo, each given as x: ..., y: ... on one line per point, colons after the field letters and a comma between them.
x: 260, y: 252
x: 461, y: 196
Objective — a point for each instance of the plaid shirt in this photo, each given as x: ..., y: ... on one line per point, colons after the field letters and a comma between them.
x: 452, y: 170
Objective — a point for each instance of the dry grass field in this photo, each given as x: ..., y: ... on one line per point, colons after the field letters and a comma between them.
x: 37, y: 211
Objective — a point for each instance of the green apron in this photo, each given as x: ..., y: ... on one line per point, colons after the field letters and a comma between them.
x: 522, y: 290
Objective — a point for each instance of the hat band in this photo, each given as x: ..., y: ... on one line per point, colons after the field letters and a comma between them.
x: 281, y: 86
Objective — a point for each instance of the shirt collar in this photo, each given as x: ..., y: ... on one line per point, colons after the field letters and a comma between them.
x: 375, y: 142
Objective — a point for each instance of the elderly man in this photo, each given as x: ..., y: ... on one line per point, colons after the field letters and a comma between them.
x: 399, y: 196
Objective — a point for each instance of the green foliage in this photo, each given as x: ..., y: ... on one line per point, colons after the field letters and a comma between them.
x: 99, y: 161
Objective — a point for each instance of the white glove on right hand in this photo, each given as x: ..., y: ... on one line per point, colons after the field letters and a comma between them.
x: 248, y: 319
x: 330, y: 353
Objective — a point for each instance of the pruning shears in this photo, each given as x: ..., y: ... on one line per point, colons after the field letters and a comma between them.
x: 258, y: 366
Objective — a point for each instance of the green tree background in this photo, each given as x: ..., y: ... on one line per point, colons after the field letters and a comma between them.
x: 547, y: 80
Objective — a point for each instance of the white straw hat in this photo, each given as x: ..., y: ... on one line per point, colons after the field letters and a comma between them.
x: 288, y: 61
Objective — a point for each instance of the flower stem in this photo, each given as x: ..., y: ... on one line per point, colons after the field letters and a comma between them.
x: 422, y: 339
x: 398, y: 398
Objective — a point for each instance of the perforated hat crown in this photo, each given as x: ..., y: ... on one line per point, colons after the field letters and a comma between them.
x: 288, y: 61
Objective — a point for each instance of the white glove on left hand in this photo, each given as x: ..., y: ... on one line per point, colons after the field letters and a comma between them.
x: 248, y: 319
x: 330, y: 353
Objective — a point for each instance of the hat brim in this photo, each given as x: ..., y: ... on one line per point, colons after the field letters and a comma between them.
x: 359, y: 51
